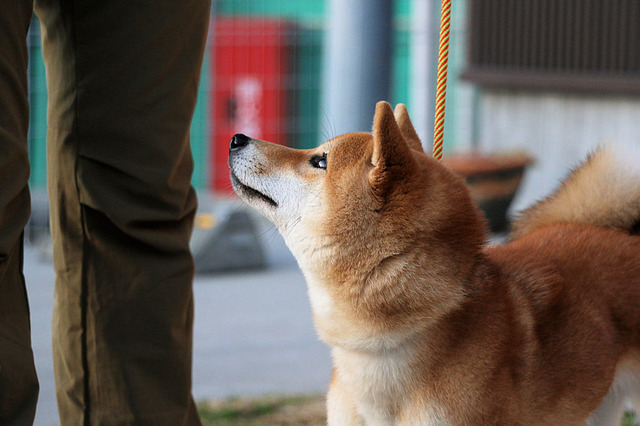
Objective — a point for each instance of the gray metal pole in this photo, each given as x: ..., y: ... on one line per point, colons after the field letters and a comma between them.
x: 357, y: 64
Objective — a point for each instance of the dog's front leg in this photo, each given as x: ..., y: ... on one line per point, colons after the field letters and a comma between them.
x: 341, y: 409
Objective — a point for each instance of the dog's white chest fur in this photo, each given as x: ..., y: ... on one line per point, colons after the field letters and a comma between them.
x: 375, y: 380
x: 375, y: 368
x: 379, y: 383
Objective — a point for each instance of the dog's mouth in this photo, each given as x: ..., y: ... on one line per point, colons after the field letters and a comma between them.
x: 250, y: 192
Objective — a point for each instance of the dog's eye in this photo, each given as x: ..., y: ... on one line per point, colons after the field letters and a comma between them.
x: 319, y: 161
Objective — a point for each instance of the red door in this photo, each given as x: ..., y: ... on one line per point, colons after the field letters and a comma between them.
x: 249, y: 70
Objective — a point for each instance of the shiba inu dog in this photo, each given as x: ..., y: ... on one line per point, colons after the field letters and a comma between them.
x: 428, y: 324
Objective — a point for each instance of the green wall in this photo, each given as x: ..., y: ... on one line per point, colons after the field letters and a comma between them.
x: 303, y: 10
x: 38, y: 110
x: 401, y: 53
x: 200, y: 131
x: 306, y: 63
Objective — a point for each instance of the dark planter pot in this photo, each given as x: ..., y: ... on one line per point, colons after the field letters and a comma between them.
x: 493, y: 181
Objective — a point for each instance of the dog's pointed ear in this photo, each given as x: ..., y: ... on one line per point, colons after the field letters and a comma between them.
x: 391, y: 157
x: 406, y: 128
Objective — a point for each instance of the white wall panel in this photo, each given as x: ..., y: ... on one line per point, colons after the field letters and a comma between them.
x: 558, y: 130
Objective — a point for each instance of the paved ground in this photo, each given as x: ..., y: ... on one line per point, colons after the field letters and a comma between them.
x: 253, y: 332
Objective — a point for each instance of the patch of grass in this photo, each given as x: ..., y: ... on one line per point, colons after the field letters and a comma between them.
x: 276, y: 410
x: 629, y: 419
x: 266, y: 411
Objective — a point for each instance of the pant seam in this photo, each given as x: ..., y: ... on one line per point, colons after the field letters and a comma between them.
x: 24, y: 283
x: 84, y: 287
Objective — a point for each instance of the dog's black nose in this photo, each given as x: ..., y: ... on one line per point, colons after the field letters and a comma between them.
x: 238, y: 141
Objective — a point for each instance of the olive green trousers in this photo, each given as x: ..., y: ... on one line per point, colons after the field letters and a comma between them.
x: 122, y: 77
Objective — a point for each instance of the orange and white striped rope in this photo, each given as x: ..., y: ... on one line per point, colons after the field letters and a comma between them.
x: 441, y: 89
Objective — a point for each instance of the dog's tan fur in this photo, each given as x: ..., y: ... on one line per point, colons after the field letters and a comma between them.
x: 429, y: 325
x: 588, y: 198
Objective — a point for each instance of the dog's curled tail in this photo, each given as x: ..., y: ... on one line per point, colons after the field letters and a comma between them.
x: 604, y: 191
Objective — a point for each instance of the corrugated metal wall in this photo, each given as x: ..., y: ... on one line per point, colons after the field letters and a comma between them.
x: 570, y: 44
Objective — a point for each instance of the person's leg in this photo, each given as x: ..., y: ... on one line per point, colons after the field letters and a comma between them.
x: 122, y: 78
x: 18, y: 382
